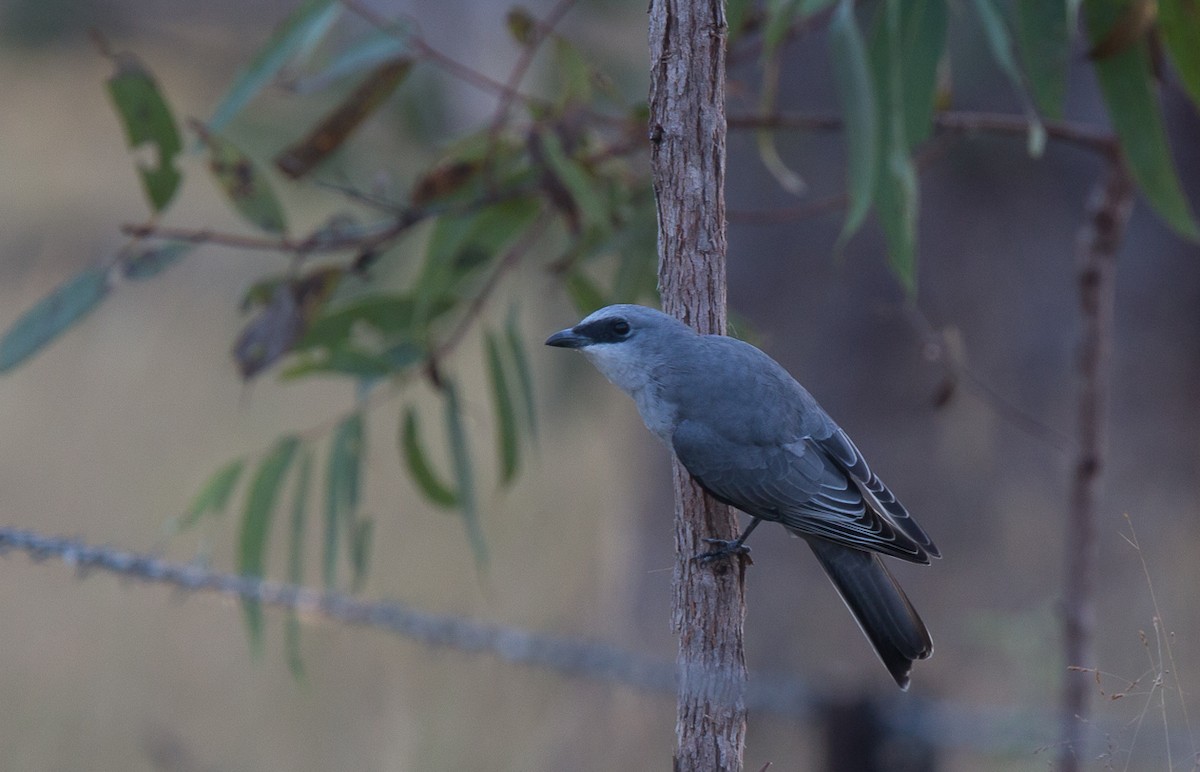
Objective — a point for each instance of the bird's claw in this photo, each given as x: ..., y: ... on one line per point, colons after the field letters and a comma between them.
x: 724, y: 548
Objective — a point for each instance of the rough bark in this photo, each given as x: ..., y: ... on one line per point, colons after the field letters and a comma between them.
x: 1099, y: 240
x: 687, y: 135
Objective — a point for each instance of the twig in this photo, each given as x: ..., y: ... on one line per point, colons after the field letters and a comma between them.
x: 948, y: 121
x: 1099, y: 239
x: 541, y: 33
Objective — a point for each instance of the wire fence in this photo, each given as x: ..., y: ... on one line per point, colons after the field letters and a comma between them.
x: 936, y: 724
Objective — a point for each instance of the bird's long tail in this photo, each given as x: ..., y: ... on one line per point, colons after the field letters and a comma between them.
x: 879, y: 606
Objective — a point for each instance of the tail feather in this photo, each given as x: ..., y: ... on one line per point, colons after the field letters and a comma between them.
x: 879, y: 606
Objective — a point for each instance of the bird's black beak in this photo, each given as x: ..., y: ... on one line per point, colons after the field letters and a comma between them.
x: 568, y: 339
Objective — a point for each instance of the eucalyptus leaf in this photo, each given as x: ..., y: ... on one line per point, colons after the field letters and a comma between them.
x: 1127, y: 82
x: 52, y: 316
x: 301, y: 30
x: 147, y: 120
x: 1043, y: 38
x: 213, y: 498
x: 295, y: 568
x: 508, y: 440
x: 343, y: 481
x: 243, y: 182
x: 464, y: 475
x: 856, y: 92
x: 417, y: 461
x: 261, y: 499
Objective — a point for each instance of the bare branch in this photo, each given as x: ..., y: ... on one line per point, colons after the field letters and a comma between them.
x: 950, y: 122
x: 1099, y: 240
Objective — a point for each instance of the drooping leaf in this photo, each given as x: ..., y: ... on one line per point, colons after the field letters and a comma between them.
x: 1044, y: 44
x: 1131, y: 23
x: 856, y: 93
x: 242, y: 182
x: 1179, y: 21
x: 896, y: 198
x: 214, y: 496
x: 585, y: 195
x: 360, y: 551
x: 516, y: 352
x: 508, y: 440
x: 343, y: 481
x: 261, y: 499
x: 295, y: 567
x: 1126, y: 80
x: 299, y: 31
x: 361, y: 55
x: 145, y: 261
x: 333, y: 130
x: 1000, y: 43
x: 460, y: 244
x: 52, y: 316
x: 350, y: 361
x: 417, y: 461
x: 923, y: 25
x: 147, y: 120
x: 270, y: 334
x: 464, y: 476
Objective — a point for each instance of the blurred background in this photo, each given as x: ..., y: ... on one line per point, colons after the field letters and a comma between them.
x: 109, y: 432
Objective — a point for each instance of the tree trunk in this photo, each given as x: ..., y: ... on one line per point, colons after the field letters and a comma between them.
x: 687, y: 134
x: 1099, y: 240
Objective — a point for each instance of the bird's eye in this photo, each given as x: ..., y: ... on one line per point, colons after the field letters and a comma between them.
x: 621, y: 327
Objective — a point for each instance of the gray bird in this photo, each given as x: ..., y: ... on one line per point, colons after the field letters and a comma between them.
x: 755, y: 439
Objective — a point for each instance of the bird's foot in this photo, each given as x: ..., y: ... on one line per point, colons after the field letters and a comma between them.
x: 724, y: 548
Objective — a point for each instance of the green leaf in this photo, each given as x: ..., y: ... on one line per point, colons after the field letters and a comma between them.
x: 1179, y: 22
x: 857, y: 96
x: 343, y: 481
x: 214, y: 496
x: 147, y: 120
x: 52, y: 316
x: 1045, y: 47
x: 1127, y: 82
x: 243, y: 182
x: 574, y: 73
x: 256, y: 527
x: 1000, y: 42
x: 516, y: 352
x: 295, y: 568
x: 299, y: 31
x: 507, y: 439
x: 464, y: 477
x: 359, y: 56
x: 145, y: 261
x: 356, y: 363
x: 579, y: 183
x: 460, y: 244
x: 418, y: 464
x: 270, y: 334
x: 896, y: 198
x: 360, y: 551
x: 923, y: 25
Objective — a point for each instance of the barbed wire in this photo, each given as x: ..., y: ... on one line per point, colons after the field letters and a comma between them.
x: 942, y: 723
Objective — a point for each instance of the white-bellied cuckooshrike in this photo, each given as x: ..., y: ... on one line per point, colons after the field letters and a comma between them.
x: 755, y: 439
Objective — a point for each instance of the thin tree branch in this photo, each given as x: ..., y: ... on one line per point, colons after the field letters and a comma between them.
x: 948, y: 121
x: 1099, y: 240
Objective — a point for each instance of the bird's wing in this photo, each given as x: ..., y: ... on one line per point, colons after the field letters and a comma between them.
x: 845, y: 454
x: 803, y: 485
